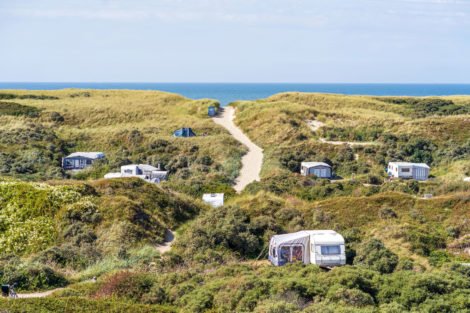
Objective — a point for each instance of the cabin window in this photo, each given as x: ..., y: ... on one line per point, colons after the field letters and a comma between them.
x: 330, y: 250
x: 405, y: 170
x: 273, y: 252
x: 127, y: 171
x: 88, y: 162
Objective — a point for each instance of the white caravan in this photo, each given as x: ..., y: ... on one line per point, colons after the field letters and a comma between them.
x: 321, y: 247
x: 418, y: 171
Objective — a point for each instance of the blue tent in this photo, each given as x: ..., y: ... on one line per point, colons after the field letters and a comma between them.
x: 184, y: 132
x: 212, y: 111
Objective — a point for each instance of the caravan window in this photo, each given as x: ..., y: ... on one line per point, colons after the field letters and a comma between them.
x: 330, y: 250
x: 405, y: 170
x: 297, y: 254
x: 284, y: 254
x: 273, y: 252
x: 291, y: 253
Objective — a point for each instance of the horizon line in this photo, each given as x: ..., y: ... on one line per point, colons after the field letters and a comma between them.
x: 251, y: 83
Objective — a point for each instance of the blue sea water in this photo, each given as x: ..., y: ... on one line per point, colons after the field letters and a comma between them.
x: 229, y: 92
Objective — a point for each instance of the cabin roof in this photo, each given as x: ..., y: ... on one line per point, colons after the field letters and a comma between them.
x: 88, y: 155
x: 409, y: 164
x: 314, y: 164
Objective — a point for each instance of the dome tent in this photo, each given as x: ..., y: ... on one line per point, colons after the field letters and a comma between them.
x: 184, y: 132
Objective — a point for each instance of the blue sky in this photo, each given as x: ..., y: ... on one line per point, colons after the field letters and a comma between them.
x: 354, y: 41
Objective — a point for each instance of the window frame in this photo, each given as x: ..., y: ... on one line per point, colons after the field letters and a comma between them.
x: 329, y: 247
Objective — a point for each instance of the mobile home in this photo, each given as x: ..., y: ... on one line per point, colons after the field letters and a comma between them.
x: 144, y: 171
x: 407, y: 170
x: 318, y: 169
x: 81, y: 160
x: 320, y: 247
x: 214, y: 199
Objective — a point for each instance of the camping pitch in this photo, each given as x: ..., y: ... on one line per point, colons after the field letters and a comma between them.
x: 321, y: 247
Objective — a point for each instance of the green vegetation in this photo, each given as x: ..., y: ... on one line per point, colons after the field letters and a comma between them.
x: 129, y: 126
x: 60, y: 229
x: 15, y: 109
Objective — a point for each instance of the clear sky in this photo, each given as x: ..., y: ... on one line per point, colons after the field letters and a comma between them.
x: 353, y: 41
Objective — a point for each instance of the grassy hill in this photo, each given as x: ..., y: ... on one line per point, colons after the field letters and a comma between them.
x: 128, y: 126
x: 59, y: 229
x: 431, y: 130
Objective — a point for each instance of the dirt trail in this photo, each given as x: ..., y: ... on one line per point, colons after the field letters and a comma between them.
x: 351, y: 143
x: 38, y: 294
x: 315, y: 125
x: 169, y: 239
x: 253, y: 160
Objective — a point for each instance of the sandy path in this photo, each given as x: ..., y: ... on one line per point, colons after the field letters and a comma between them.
x: 38, y: 294
x: 169, y: 239
x: 351, y: 143
x: 315, y: 125
x: 253, y: 160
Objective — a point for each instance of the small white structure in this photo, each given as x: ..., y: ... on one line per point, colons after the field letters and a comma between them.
x: 146, y: 172
x: 80, y: 160
x: 321, y: 247
x: 214, y: 199
x: 418, y: 171
x: 466, y: 179
x: 318, y: 169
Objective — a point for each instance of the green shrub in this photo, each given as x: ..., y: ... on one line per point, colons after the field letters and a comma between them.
x: 374, y: 255
x: 15, y: 109
x: 31, y: 276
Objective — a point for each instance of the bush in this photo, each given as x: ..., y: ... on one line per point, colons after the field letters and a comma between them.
x: 132, y: 286
x: 15, y: 109
x: 226, y: 228
x: 349, y: 296
x: 387, y: 213
x: 31, y: 276
x: 374, y: 255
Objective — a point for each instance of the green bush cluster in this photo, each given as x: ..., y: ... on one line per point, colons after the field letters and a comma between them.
x: 11, y: 96
x: 16, y: 109
x: 423, y: 107
x: 294, y: 288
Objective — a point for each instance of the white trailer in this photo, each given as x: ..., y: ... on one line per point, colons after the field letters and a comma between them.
x: 214, y: 199
x: 407, y: 170
x: 320, y: 247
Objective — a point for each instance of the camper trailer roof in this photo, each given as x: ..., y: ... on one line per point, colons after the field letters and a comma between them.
x: 410, y: 164
x: 320, y: 236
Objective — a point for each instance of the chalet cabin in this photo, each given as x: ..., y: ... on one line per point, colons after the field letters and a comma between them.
x: 214, y: 199
x: 318, y: 169
x: 184, y: 132
x: 146, y: 172
x: 407, y: 170
x: 321, y: 247
x: 212, y: 111
x: 81, y: 160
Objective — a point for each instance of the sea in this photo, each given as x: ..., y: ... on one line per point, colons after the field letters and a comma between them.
x: 226, y: 93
